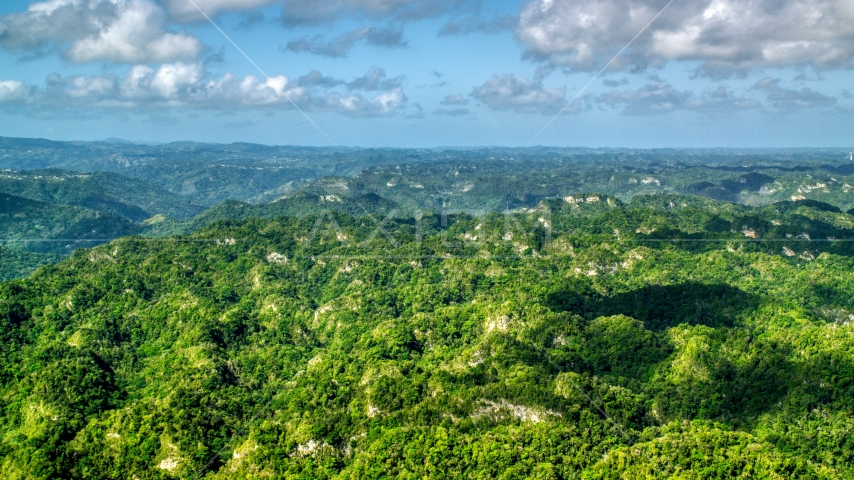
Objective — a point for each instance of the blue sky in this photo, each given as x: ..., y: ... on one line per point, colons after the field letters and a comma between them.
x: 425, y: 73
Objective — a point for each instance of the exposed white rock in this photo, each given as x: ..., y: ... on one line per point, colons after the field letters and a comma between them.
x: 277, y: 258
x: 311, y: 447
x: 320, y: 311
x: 500, y: 324
x: 496, y: 410
x: 169, y: 464
x: 810, y: 188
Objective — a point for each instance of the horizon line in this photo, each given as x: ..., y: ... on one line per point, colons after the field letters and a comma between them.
x: 152, y: 143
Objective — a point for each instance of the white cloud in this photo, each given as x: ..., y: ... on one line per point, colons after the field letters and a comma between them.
x: 477, y: 24
x: 121, y: 31
x: 250, y: 91
x: 784, y: 100
x: 375, y: 80
x: 340, y: 46
x: 186, y: 86
x: 725, y: 35
x: 91, y: 87
x: 317, y: 79
x: 659, y: 97
x: 652, y: 98
x: 170, y: 79
x: 12, y: 91
x: 454, y: 100
x: 384, y: 103
x: 514, y: 93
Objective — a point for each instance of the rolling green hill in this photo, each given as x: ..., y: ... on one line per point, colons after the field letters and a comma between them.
x: 203, y: 174
x: 16, y: 263
x: 491, y: 185
x: 665, y: 337
x: 350, y: 313
x: 40, y: 227
x: 308, y: 201
x: 133, y: 199
x: 473, y: 180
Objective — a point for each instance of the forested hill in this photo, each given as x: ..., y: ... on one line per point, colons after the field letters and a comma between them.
x: 16, y: 263
x: 133, y: 199
x: 39, y: 227
x: 476, y: 179
x: 491, y: 185
x: 584, y: 338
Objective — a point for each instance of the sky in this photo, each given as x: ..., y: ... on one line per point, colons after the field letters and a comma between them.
x: 429, y: 73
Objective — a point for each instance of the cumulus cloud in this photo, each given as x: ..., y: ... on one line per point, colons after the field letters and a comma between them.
x: 725, y: 35
x: 375, y: 80
x: 187, y: 86
x: 476, y: 24
x: 514, y: 93
x: 452, y: 112
x: 652, y: 98
x: 454, y: 100
x: 658, y: 97
x: 339, y: 47
x: 783, y: 100
x: 12, y: 91
x: 382, y: 104
x: 122, y: 31
x: 317, y: 79
x: 169, y: 82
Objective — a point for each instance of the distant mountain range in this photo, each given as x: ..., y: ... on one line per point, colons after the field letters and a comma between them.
x: 122, y: 141
x: 119, y: 188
